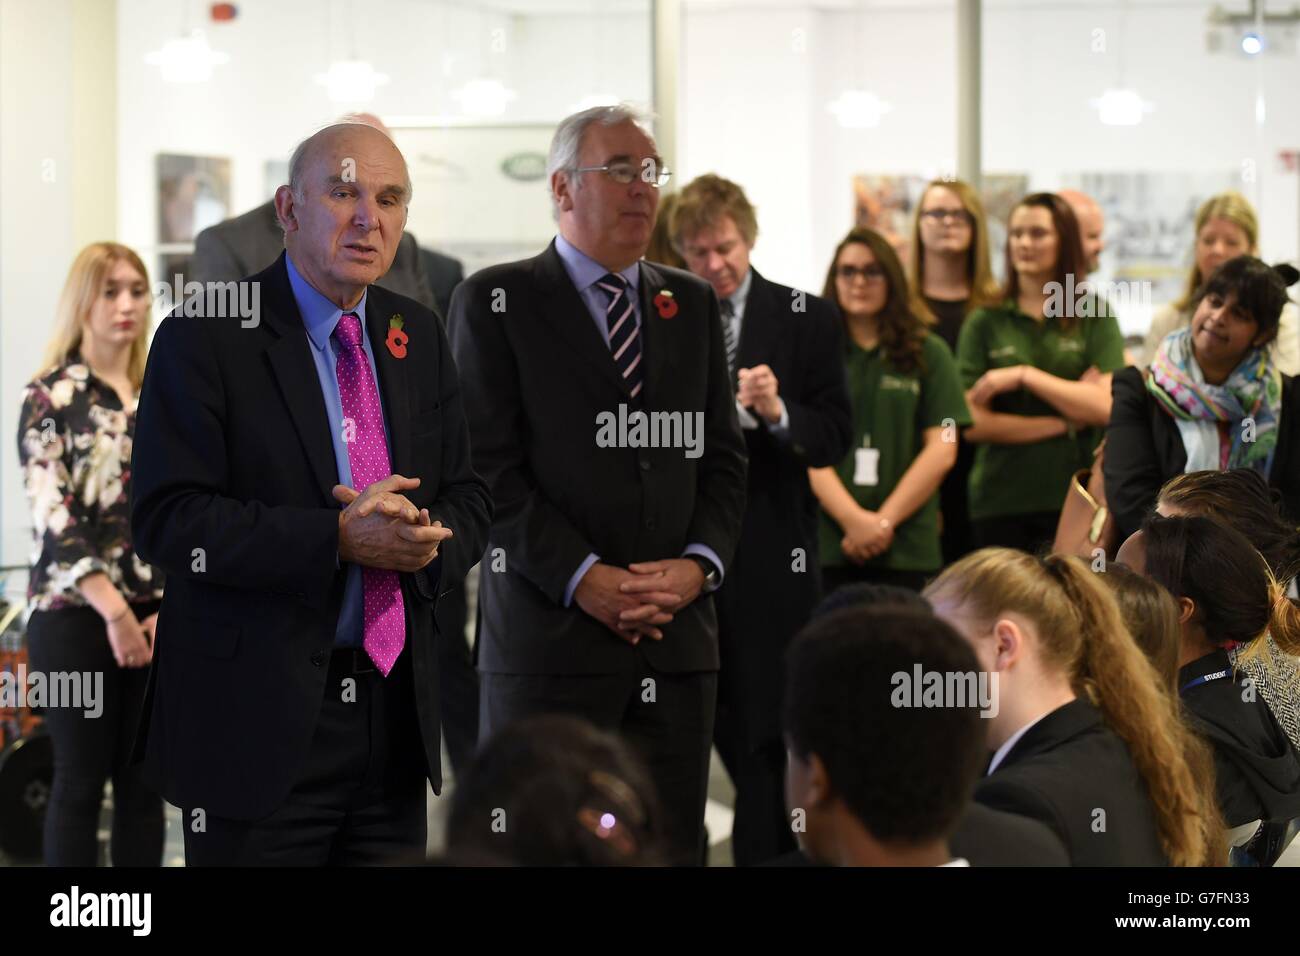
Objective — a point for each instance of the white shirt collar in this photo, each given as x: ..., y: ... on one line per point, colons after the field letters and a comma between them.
x: 1005, y: 749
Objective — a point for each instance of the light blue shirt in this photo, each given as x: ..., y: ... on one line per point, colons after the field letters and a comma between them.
x: 584, y: 272
x: 320, y: 316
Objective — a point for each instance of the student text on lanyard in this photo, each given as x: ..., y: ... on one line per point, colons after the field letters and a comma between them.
x: 1205, y: 679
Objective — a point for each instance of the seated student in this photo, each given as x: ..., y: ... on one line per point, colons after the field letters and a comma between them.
x: 1085, y: 740
x: 984, y: 837
x: 1225, y: 595
x: 1243, y: 500
x: 555, y: 791
x: 1151, y: 615
x: 876, y: 783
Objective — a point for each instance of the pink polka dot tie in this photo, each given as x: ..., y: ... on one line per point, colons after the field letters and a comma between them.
x: 385, y: 617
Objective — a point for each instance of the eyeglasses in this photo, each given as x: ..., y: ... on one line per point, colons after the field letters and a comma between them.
x: 624, y: 174
x: 937, y: 216
x: 868, y: 273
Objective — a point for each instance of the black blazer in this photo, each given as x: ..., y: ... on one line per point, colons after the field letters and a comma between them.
x: 1063, y: 771
x: 443, y: 273
x: 988, y: 837
x: 233, y: 456
x: 1144, y: 449
x: 775, y: 580
x: 536, y: 374
x: 1256, y: 768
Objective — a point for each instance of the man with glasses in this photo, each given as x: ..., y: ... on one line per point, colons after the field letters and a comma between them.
x: 600, y: 414
x: 785, y: 356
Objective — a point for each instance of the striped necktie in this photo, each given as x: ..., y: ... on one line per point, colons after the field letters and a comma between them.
x: 624, y: 336
x: 729, y: 337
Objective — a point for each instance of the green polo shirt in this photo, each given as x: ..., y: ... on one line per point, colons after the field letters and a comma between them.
x: 1024, y: 479
x: 890, y: 413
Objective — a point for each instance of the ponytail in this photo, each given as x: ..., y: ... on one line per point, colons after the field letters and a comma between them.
x: 1284, y: 620
x: 1123, y: 684
x: 1082, y: 635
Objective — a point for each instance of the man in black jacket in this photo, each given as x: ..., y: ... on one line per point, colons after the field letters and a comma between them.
x: 601, y: 416
x: 786, y: 369
x: 292, y: 709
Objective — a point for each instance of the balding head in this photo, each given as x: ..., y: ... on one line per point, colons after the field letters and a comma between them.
x: 344, y: 209
x: 1092, y: 224
x: 367, y: 119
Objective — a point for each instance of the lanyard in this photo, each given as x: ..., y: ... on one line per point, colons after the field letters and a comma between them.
x: 1204, y: 679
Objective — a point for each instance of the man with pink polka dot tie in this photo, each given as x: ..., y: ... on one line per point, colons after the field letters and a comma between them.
x: 306, y: 484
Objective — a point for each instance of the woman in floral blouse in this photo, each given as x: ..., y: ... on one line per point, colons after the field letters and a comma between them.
x: 94, y: 603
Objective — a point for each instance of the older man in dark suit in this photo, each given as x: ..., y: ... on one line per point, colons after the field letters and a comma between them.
x: 250, y: 242
x: 597, y: 394
x: 293, y: 707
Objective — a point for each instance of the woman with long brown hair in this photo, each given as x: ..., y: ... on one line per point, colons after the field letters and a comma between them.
x: 951, y: 272
x: 1085, y: 739
x: 94, y: 603
x: 1037, y: 369
x: 879, y: 519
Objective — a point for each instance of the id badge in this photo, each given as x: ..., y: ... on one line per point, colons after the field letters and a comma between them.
x: 866, y: 466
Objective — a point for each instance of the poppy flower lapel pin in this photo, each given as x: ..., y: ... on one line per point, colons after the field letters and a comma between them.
x: 666, y: 304
x: 397, y: 339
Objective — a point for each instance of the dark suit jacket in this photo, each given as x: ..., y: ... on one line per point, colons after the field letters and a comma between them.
x: 988, y: 837
x: 443, y: 274
x: 769, y: 594
x: 1063, y: 771
x: 536, y: 375
x: 1144, y: 449
x: 250, y: 242
x: 233, y: 456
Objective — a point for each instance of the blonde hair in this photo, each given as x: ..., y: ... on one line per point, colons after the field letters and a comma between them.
x: 85, y: 283
x: 984, y: 289
x: 1082, y: 635
x: 1235, y: 208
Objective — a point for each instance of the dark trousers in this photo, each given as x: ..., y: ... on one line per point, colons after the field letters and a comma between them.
x: 89, y: 751
x: 760, y: 829
x: 840, y: 575
x: 672, y: 734
x: 1033, y: 532
x: 359, y: 798
x: 457, y: 680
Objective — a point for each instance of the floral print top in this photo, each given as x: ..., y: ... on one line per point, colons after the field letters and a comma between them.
x: 74, y: 444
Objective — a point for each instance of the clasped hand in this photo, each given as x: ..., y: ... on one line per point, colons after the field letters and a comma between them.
x: 636, y: 602
x: 381, y: 528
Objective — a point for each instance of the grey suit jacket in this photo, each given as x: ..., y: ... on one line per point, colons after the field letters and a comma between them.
x: 247, y: 244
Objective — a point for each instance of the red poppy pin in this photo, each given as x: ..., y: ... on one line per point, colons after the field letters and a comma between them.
x: 666, y: 304
x: 397, y: 339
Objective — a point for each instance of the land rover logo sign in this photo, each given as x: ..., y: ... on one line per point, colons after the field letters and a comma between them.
x: 525, y: 167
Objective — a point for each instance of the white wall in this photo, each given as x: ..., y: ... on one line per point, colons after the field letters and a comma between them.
x: 56, y: 186
x: 261, y: 103
x: 753, y: 108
